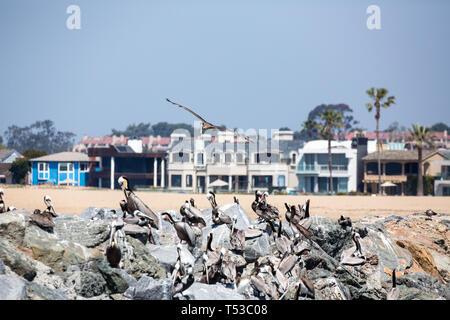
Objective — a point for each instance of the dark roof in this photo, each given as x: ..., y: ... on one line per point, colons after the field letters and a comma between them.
x: 400, y: 155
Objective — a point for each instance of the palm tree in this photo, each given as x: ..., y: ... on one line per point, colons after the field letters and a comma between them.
x: 378, y: 96
x: 309, y: 126
x: 421, y: 135
x: 331, y: 119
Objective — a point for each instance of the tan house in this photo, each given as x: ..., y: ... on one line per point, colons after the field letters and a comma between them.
x: 396, y: 165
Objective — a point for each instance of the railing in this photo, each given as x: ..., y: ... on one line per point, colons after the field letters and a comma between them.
x: 334, y: 168
x: 307, y: 168
x: 313, y: 168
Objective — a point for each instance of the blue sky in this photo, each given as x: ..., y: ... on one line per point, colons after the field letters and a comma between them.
x: 246, y: 64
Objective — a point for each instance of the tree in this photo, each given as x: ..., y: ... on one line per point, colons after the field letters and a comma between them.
x: 165, y: 129
x: 310, y: 127
x: 162, y: 129
x: 19, y: 169
x: 440, y: 126
x: 331, y: 119
x: 41, y: 135
x: 32, y: 153
x: 139, y: 130
x: 346, y: 111
x: 422, y: 136
x: 394, y: 126
x: 378, y: 96
x: 284, y: 129
x: 1, y: 143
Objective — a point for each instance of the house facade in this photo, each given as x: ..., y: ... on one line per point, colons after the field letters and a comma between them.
x: 64, y: 168
x: 9, y: 155
x: 313, y: 171
x: 396, y: 166
x: 442, y: 183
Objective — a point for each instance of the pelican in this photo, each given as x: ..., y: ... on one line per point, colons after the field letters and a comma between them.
x: 355, y: 238
x: 394, y: 293
x: 302, y: 230
x: 2, y: 202
x: 134, y: 203
x: 304, y: 285
x: 429, y: 214
x: 185, y: 282
x: 345, y: 221
x: 43, y: 220
x: 353, y: 256
x: 11, y: 208
x: 271, y: 211
x: 193, y: 214
x: 288, y: 213
x: 184, y: 230
x: 178, y: 270
x: 218, y: 217
x: 283, y: 244
x: 227, y: 267
x: 236, y: 200
x: 205, y: 124
x: 113, y: 252
x: 212, y: 254
x: 260, y: 207
x: 237, y: 237
x: 49, y: 206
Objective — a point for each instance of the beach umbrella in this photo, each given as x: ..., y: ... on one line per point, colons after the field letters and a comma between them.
x: 388, y: 184
x: 218, y: 183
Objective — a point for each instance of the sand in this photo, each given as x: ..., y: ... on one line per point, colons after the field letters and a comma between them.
x: 73, y: 200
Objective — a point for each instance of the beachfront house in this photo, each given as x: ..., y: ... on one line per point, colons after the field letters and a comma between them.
x: 9, y: 155
x: 313, y: 171
x: 63, y: 168
x: 442, y: 183
x: 396, y: 166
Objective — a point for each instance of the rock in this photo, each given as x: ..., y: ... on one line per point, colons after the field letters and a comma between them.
x: 93, y: 213
x: 12, y: 288
x: 446, y: 223
x: 17, y: 260
x: 39, y: 292
x: 142, y: 262
x: 55, y: 253
x: 425, y: 283
x: 75, y: 229
x: 329, y: 235
x: 12, y: 227
x: 117, y: 280
x: 256, y: 247
x: 2, y: 266
x: 330, y: 289
x: 221, y: 236
x: 148, y: 288
x: 167, y: 255
x: 87, y: 284
x: 202, y: 291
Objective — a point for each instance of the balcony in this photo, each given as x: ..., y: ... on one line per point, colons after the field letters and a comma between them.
x: 307, y: 168
x: 310, y: 168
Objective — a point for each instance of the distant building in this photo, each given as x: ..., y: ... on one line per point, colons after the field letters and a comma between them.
x: 396, y: 165
x: 442, y: 183
x: 9, y: 155
x: 5, y: 175
x: 142, y: 168
x: 64, y: 168
x: 149, y: 144
x: 313, y: 171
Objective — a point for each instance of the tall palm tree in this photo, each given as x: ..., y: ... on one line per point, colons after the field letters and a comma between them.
x: 331, y: 119
x: 378, y: 96
x: 422, y: 136
x: 309, y: 126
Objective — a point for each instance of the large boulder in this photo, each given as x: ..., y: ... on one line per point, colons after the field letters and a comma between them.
x: 39, y: 292
x: 75, y: 229
x: 331, y: 289
x: 256, y: 247
x: 55, y: 253
x: 12, y: 288
x: 12, y: 227
x: 427, y: 284
x: 329, y: 235
x: 2, y: 266
x: 117, y: 280
x: 93, y: 213
x: 87, y: 284
x: 148, y: 288
x: 17, y: 260
x: 221, y: 236
x: 167, y: 255
x: 202, y: 291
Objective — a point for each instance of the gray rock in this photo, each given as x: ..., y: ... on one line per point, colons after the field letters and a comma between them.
x: 221, y: 236
x: 329, y: 235
x: 12, y: 288
x: 425, y: 283
x: 87, y: 284
x: 202, y: 291
x: 75, y: 229
x: 257, y: 247
x: 2, y: 266
x: 117, y: 280
x: 446, y: 223
x: 39, y: 292
x: 148, y: 288
x: 331, y: 289
x: 17, y: 260
x: 12, y: 227
x: 167, y: 255
x: 93, y: 213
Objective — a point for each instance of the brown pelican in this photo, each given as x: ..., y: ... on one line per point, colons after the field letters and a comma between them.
x: 2, y: 202
x: 302, y: 230
x: 237, y: 237
x: 429, y: 214
x: 49, y: 206
x: 43, y: 220
x: 184, y: 230
x: 205, y: 124
x: 113, y: 252
x: 236, y: 200
x: 345, y: 221
x: 262, y: 284
x: 288, y: 213
x: 184, y: 282
x: 260, y: 207
x: 227, y: 267
x: 287, y: 263
x: 193, y: 215
x: 394, y: 293
x: 212, y: 269
x: 353, y: 256
x: 178, y: 269
x: 283, y: 244
x: 355, y: 238
x: 212, y: 254
x: 304, y: 286
x: 270, y: 210
x: 218, y: 217
x: 134, y: 203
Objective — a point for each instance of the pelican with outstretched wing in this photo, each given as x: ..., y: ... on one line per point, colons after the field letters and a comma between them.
x: 207, y: 125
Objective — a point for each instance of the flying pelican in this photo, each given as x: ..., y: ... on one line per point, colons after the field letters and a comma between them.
x: 394, y: 293
x: 183, y: 229
x: 205, y: 124
x: 113, y: 252
x: 134, y: 203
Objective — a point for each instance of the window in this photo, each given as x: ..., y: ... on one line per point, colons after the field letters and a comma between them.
x: 176, y: 180
x: 294, y: 158
x: 393, y: 168
x: 65, y: 167
x: 372, y: 168
x: 189, y: 180
x: 43, y: 171
x: 239, y: 157
x: 180, y: 157
x: 200, y: 158
x: 228, y: 157
x: 84, y: 167
x: 216, y: 157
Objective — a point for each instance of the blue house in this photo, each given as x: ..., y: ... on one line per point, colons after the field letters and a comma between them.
x: 64, y: 168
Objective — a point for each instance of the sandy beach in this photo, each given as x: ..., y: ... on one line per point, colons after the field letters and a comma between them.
x: 73, y: 200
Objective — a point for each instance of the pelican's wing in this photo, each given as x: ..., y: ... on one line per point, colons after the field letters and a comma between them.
x: 141, y: 206
x: 187, y: 109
